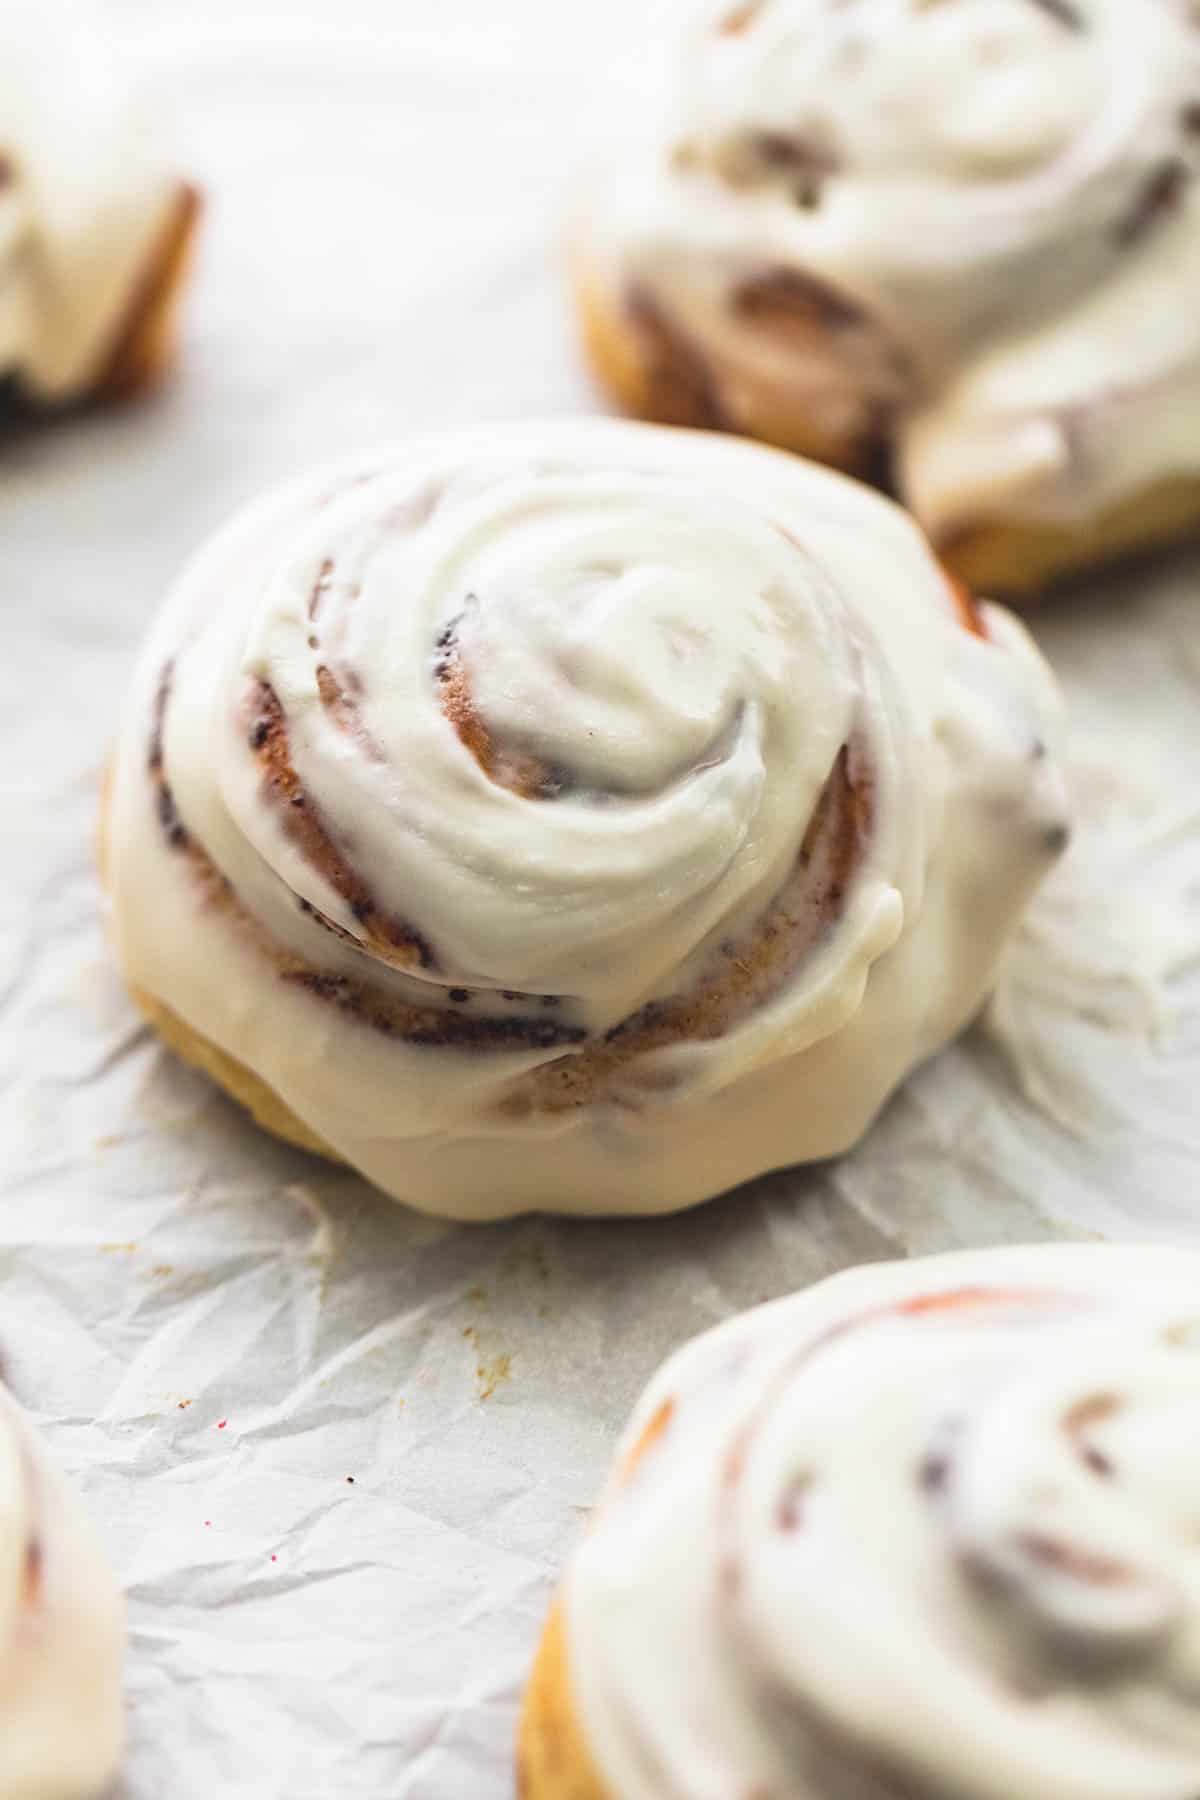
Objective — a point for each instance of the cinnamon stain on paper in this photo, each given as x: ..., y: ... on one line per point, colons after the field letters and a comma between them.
x: 493, y: 1363
x: 492, y: 1368
x: 160, y: 1271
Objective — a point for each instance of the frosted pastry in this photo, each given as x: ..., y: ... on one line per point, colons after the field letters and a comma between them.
x: 927, y: 1531
x: 962, y: 238
x: 61, y: 1632
x: 95, y: 226
x: 581, y: 815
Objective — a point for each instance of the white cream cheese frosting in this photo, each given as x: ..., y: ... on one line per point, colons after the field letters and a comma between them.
x: 929, y: 1530
x: 994, y: 205
x: 579, y: 815
x: 85, y: 194
x: 61, y: 1631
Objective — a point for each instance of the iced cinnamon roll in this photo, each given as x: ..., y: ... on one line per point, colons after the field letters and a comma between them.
x: 960, y: 240
x: 95, y: 225
x: 580, y: 815
x: 61, y: 1632
x: 925, y: 1532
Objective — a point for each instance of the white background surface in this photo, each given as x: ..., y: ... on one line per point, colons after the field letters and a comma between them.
x: 217, y: 1333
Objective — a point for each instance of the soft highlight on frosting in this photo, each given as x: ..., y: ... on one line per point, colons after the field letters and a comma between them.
x: 85, y: 196
x: 992, y: 202
x: 61, y: 1632
x: 928, y: 1529
x: 578, y: 815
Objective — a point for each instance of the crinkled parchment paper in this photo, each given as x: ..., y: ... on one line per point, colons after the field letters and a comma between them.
x: 339, y: 1451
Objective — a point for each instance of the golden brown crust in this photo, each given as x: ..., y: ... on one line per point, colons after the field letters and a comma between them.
x: 144, y: 347
x: 553, y: 1760
x: 653, y: 374
x: 239, y: 1082
x: 1019, y: 561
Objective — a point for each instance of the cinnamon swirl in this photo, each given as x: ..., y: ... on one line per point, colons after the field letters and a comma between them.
x: 581, y: 816
x: 95, y: 229
x: 925, y: 1532
x: 61, y: 1727
x: 962, y: 239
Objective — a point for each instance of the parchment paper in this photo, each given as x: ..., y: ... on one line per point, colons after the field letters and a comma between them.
x: 339, y: 1452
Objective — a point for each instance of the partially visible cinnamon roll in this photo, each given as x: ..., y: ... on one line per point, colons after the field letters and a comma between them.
x: 578, y: 816
x: 927, y: 1531
x: 61, y: 1632
x: 961, y: 239
x: 96, y: 228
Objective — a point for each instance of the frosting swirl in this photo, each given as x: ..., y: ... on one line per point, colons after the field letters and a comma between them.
x: 927, y: 1529
x: 85, y: 200
x: 568, y: 785
x: 1005, y: 185
x: 61, y: 1728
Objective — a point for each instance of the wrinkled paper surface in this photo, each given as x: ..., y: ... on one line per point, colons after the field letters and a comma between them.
x: 339, y: 1451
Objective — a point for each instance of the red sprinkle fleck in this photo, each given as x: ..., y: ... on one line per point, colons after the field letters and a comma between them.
x: 208, y: 1524
x: 221, y: 1424
x: 274, y: 1559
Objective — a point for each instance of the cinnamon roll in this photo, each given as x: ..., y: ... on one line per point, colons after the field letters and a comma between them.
x: 95, y: 228
x: 958, y: 240
x: 61, y: 1632
x: 925, y: 1532
x: 581, y: 815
